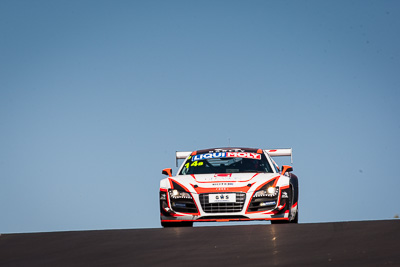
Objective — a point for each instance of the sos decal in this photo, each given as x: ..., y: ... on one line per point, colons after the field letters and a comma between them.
x: 246, y: 155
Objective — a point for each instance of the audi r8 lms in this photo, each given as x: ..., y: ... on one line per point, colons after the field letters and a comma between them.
x: 229, y: 184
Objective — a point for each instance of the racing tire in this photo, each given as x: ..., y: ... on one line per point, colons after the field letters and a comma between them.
x: 176, y: 224
x: 296, y: 218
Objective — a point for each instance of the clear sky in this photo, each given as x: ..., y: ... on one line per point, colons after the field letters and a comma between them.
x: 96, y: 97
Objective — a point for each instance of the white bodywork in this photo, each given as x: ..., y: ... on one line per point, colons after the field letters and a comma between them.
x: 224, y: 185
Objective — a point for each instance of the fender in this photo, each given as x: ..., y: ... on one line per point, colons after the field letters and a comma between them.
x: 295, y: 184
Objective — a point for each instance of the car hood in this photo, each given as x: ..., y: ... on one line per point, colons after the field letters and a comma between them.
x: 232, y: 177
x: 228, y: 181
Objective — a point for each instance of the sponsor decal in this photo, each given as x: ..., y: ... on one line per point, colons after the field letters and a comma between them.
x: 226, y: 150
x: 223, y: 175
x: 221, y: 189
x: 222, y: 184
x: 246, y: 155
x: 268, y: 203
x: 218, y: 198
x: 179, y: 205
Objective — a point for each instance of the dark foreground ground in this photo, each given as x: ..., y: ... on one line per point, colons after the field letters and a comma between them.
x: 369, y: 243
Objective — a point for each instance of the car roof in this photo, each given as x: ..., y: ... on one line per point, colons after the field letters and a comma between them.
x: 229, y: 149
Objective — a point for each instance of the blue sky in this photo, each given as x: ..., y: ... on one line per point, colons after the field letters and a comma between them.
x: 96, y: 97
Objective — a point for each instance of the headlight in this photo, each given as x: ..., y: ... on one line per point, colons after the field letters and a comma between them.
x: 269, y: 192
x: 179, y: 194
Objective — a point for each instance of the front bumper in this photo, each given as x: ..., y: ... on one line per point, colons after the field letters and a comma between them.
x: 245, y: 208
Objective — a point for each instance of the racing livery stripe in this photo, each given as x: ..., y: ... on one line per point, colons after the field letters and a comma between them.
x: 176, y: 185
x: 258, y: 188
x: 276, y: 181
x: 170, y: 183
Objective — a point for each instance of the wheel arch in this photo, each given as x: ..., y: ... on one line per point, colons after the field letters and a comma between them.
x: 294, y: 183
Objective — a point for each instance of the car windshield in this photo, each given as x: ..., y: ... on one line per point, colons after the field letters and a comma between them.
x: 225, y: 163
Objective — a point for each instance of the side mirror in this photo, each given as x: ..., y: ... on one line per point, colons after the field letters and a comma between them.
x: 167, y: 171
x: 286, y: 169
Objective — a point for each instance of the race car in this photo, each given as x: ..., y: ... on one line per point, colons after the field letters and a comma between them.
x: 229, y: 184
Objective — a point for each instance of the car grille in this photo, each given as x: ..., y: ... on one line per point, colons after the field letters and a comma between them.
x: 222, y: 207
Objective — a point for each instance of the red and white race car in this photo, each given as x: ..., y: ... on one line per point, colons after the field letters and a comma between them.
x: 229, y: 184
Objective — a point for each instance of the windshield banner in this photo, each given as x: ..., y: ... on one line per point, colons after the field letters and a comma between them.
x: 246, y: 155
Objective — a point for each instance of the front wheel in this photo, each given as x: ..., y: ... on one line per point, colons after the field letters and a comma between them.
x: 296, y: 218
x: 176, y: 224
